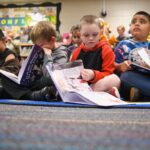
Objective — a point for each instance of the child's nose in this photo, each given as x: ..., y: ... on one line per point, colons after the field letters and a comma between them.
x: 137, y: 22
x: 91, y: 37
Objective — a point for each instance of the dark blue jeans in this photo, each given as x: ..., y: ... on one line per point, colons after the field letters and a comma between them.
x: 135, y: 79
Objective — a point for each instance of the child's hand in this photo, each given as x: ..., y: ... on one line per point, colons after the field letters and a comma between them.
x: 125, y: 66
x: 87, y: 74
x: 8, y: 39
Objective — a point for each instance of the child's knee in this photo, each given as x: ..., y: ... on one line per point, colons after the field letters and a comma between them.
x: 115, y: 80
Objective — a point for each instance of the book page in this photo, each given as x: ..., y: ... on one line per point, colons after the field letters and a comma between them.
x: 101, y: 98
x: 9, y: 75
x: 144, y: 56
x: 66, y: 78
x: 73, y: 97
x: 70, y: 82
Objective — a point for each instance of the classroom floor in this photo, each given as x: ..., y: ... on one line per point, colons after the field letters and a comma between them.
x: 67, y: 128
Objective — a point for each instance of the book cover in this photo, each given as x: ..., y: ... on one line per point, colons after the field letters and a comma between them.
x: 31, y: 68
x: 140, y: 68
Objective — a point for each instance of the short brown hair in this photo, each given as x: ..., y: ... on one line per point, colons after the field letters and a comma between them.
x: 90, y: 19
x: 42, y: 30
x: 75, y: 28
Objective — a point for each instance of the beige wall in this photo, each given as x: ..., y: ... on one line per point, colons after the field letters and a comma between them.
x: 121, y: 11
x: 118, y: 11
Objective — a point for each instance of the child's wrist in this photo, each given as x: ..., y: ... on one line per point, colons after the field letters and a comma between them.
x: 93, y: 76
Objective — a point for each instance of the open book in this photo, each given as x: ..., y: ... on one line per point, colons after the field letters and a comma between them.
x: 30, y: 68
x: 140, y: 58
x: 73, y: 89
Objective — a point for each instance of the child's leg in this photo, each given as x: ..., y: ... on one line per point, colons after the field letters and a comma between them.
x: 106, y: 83
x: 137, y: 80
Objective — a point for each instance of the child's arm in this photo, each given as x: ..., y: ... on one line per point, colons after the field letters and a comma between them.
x: 87, y: 74
x: 57, y: 56
x: 123, y: 67
x: 10, y: 57
x: 121, y: 56
x: 11, y: 64
x: 108, y: 65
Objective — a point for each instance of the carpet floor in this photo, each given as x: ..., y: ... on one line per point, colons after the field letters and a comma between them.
x: 66, y: 128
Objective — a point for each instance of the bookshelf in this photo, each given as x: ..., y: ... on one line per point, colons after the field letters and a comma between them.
x: 25, y: 49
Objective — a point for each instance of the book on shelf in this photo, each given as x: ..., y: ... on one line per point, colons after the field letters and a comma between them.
x: 31, y: 68
x: 140, y: 60
x: 25, y: 49
x: 73, y: 89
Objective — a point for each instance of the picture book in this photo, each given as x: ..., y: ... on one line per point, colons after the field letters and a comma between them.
x: 31, y: 68
x: 140, y: 58
x: 73, y: 89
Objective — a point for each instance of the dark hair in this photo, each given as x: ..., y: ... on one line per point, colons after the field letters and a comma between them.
x: 147, y: 15
x: 1, y: 34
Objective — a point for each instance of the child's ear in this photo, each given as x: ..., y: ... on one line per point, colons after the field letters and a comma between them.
x: 53, y: 39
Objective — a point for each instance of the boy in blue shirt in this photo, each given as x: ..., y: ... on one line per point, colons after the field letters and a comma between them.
x: 140, y: 29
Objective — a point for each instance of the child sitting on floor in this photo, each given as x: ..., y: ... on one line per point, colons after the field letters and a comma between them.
x: 97, y: 56
x: 8, y: 61
x: 75, y: 39
x: 44, y: 35
x: 140, y: 29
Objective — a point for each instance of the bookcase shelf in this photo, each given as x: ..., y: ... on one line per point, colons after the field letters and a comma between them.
x: 25, y: 49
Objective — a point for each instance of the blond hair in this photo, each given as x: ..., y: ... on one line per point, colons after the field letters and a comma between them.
x: 90, y: 19
x: 43, y: 30
x: 121, y: 27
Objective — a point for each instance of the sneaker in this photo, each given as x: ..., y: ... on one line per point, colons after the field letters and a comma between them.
x: 51, y: 94
x: 45, y: 94
x: 114, y: 91
x: 39, y: 95
x: 135, y: 94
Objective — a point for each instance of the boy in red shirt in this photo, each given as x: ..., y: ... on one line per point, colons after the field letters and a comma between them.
x: 97, y: 56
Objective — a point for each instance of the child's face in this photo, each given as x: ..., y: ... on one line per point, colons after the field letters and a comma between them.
x: 76, y: 38
x: 44, y: 43
x: 90, y: 34
x: 120, y: 31
x: 140, y: 27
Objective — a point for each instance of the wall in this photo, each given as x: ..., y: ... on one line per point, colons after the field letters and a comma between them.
x: 118, y: 11
x: 121, y: 12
